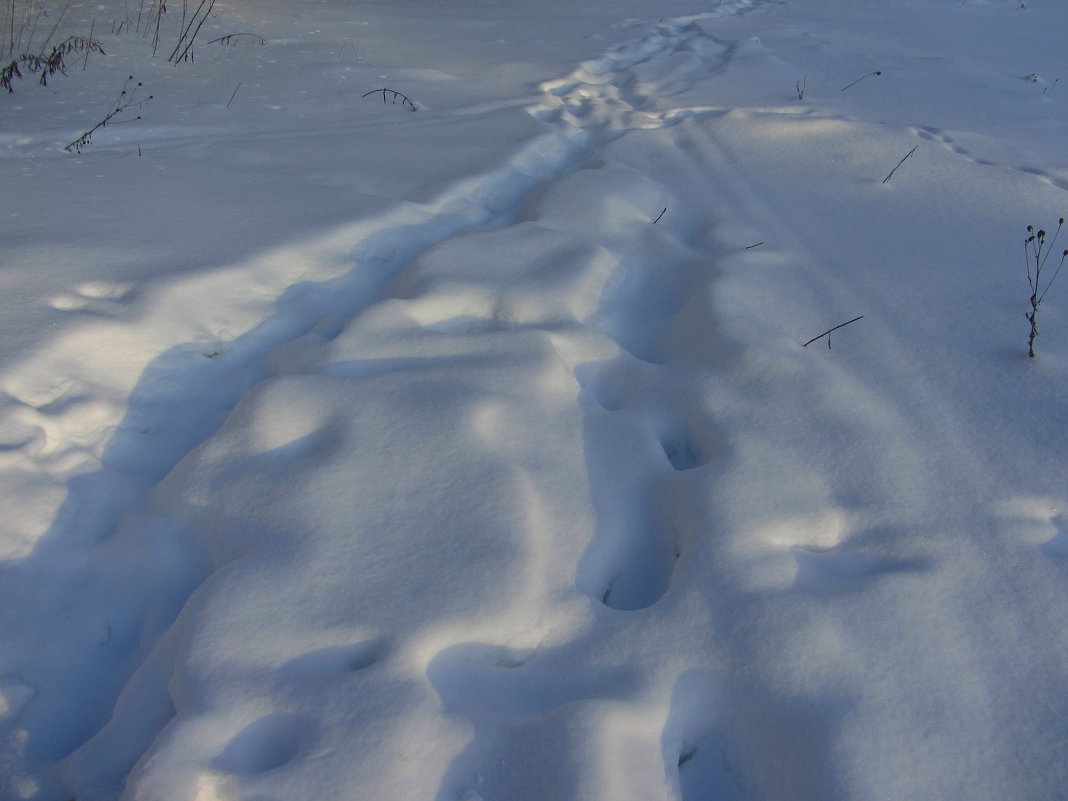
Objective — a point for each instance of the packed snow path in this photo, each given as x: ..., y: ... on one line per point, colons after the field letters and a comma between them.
x: 532, y: 493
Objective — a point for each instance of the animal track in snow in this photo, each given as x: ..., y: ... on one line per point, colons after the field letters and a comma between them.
x: 94, y: 296
x: 822, y: 568
x: 511, y: 684
x: 636, y: 545
x: 498, y: 683
x: 1037, y: 521
x: 14, y: 694
x: 619, y: 91
x: 684, y: 451
x: 939, y: 136
x: 338, y: 659
x: 263, y: 745
x: 557, y: 280
x: 629, y: 564
x: 827, y: 552
x: 705, y: 774
x: 105, y: 290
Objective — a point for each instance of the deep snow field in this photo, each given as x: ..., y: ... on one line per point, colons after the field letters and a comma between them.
x: 471, y: 452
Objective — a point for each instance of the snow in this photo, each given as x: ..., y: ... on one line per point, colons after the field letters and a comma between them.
x: 472, y: 453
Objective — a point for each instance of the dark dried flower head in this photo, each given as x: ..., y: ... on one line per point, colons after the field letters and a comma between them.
x: 1030, y: 228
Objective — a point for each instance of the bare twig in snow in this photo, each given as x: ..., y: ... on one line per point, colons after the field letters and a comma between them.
x: 825, y: 333
x: 891, y: 175
x: 190, y: 31
x: 393, y: 93
x: 229, y: 38
x: 862, y: 77
x: 124, y: 101
x: 1037, y: 252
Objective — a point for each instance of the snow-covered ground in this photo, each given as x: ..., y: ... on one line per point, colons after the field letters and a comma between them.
x: 471, y: 453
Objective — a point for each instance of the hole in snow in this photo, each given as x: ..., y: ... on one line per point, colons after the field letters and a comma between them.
x: 338, y: 658
x: 263, y: 745
x: 681, y: 453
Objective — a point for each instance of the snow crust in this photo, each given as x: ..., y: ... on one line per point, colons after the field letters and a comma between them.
x: 472, y: 453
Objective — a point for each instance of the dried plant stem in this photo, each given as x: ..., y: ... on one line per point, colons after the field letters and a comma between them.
x: 190, y: 30
x: 55, y: 28
x: 861, y: 78
x: 46, y: 65
x: 828, y: 331
x: 891, y: 175
x: 161, y: 12
x: 11, y: 26
x: 1036, y: 253
x: 229, y: 38
x: 397, y: 97
x: 125, y: 100
x: 92, y: 28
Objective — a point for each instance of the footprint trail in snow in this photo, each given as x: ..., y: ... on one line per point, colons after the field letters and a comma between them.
x: 467, y: 509
x: 420, y: 312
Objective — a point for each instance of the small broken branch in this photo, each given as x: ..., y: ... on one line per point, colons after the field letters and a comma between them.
x: 341, y: 50
x: 891, y: 175
x: 661, y: 214
x: 229, y: 38
x: 397, y: 97
x: 825, y: 333
x: 862, y: 77
x: 124, y: 101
